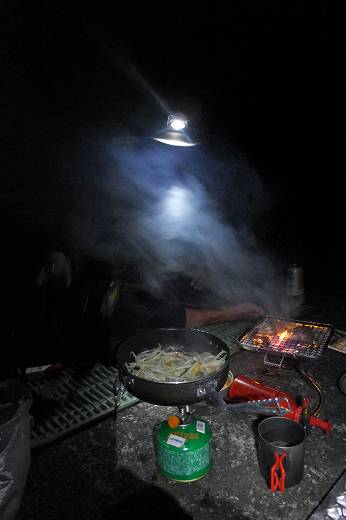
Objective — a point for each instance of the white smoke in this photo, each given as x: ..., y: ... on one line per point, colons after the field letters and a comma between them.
x: 164, y: 211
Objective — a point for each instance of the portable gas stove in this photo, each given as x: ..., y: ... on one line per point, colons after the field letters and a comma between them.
x: 183, y: 442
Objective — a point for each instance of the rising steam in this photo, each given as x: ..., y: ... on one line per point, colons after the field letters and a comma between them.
x: 166, y: 211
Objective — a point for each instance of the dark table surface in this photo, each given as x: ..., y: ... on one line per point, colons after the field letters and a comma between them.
x: 108, y: 470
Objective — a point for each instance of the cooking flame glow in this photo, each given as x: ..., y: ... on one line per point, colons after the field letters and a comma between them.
x: 283, y: 335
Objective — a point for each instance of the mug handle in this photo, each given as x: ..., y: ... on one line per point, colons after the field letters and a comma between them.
x: 277, y: 482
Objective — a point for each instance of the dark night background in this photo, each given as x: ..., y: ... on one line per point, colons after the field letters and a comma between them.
x: 263, y: 83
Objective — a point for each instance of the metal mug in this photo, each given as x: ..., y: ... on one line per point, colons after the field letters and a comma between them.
x: 281, y: 447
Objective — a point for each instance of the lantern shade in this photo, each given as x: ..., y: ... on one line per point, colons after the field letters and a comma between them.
x: 175, y: 132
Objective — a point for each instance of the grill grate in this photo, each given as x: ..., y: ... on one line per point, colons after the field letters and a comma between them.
x: 72, y: 400
x: 301, y: 339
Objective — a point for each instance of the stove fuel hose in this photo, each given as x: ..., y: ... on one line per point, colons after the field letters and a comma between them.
x: 314, y: 384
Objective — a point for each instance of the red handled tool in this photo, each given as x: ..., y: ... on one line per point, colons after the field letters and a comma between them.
x: 278, y: 481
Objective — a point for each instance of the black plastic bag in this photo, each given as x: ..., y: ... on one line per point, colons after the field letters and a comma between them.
x: 15, y: 445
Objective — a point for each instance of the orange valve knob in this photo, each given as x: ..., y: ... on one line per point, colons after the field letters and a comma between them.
x: 173, y: 421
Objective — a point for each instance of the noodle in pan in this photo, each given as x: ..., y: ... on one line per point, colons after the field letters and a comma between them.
x: 171, y: 365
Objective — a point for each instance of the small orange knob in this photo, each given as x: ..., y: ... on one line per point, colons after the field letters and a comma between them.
x: 173, y: 421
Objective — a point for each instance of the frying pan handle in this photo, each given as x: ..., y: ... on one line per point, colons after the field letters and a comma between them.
x: 118, y: 391
x: 207, y: 389
x: 127, y: 381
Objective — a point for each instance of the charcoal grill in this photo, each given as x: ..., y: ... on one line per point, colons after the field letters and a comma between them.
x: 283, y: 338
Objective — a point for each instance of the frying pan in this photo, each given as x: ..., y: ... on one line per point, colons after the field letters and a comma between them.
x: 172, y: 393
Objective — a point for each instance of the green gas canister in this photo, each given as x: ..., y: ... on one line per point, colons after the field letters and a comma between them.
x: 183, y: 451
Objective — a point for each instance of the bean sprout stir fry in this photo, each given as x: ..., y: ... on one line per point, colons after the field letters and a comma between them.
x: 168, y: 364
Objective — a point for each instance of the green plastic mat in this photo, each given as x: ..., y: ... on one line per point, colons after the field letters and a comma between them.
x: 72, y: 399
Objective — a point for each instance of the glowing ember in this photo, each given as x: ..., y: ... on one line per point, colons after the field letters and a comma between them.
x: 283, y: 335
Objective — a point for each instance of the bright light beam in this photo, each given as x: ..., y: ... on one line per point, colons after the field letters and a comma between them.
x: 177, y: 203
